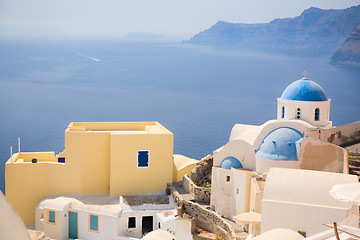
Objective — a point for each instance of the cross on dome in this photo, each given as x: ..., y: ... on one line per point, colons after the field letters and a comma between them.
x: 305, y: 74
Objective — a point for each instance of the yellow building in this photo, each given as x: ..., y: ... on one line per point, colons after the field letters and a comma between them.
x: 182, y: 166
x: 116, y: 158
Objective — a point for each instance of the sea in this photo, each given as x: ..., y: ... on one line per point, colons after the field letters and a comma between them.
x: 197, y: 92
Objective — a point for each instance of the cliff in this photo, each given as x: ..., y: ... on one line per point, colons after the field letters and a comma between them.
x: 314, y: 31
x: 349, y: 53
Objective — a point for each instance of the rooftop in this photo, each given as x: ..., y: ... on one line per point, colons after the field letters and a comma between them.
x: 280, y: 144
x: 304, y: 90
x: 118, y: 127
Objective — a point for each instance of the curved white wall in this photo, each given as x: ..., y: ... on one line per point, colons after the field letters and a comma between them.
x: 239, y: 149
x: 271, y: 125
x: 307, y: 111
x: 12, y: 226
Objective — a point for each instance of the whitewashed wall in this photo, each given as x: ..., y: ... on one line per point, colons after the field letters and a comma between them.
x: 167, y: 222
x: 300, y: 200
x: 221, y: 191
x: 298, y: 216
x: 240, y: 194
x: 107, y: 226
x: 59, y: 230
x: 184, y: 229
x: 263, y: 165
x: 239, y: 149
x: 307, y: 111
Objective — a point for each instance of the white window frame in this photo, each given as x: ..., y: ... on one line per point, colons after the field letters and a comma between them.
x: 137, y: 158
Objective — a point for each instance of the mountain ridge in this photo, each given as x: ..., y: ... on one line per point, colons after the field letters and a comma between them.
x: 314, y: 31
x: 349, y: 53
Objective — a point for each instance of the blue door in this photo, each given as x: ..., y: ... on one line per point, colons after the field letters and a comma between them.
x: 73, y: 225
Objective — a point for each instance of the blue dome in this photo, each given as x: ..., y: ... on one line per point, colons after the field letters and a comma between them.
x: 230, y: 162
x: 280, y: 145
x: 304, y: 90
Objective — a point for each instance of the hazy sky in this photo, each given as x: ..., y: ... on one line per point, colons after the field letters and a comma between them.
x: 115, y: 18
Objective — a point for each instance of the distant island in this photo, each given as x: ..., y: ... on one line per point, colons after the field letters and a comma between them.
x: 349, y: 53
x: 144, y: 36
x: 315, y: 31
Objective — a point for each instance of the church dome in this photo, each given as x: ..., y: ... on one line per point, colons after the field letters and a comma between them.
x: 280, y: 145
x: 304, y: 90
x: 230, y: 162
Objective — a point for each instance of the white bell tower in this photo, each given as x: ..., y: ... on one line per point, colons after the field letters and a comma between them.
x: 305, y: 100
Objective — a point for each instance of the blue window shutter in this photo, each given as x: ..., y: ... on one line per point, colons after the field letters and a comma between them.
x: 143, y: 158
x: 94, y: 223
x: 52, y: 216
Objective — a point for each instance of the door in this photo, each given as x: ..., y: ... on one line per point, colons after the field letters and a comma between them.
x: 147, y: 224
x: 73, y: 225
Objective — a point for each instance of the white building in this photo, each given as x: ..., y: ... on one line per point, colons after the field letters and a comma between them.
x: 104, y: 217
x: 299, y: 200
x: 302, y: 106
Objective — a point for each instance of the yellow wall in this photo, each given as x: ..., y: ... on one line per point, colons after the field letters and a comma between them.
x: 27, y: 183
x: 179, y: 174
x: 88, y: 154
x: 125, y: 177
x: 96, y: 161
x: 182, y: 166
x: 40, y: 156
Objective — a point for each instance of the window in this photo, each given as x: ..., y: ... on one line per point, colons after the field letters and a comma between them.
x: 143, y: 157
x: 283, y: 112
x: 317, y: 114
x: 298, y: 113
x: 93, y: 223
x: 132, y: 222
x: 61, y: 160
x: 228, y: 178
x: 51, y: 217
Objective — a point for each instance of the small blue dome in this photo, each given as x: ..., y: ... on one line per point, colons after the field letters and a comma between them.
x: 230, y: 162
x: 304, y: 90
x: 280, y: 145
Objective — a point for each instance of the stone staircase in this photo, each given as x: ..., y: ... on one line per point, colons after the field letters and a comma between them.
x: 354, y: 163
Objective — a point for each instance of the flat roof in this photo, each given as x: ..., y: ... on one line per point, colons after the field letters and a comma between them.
x: 120, y: 131
x: 119, y: 127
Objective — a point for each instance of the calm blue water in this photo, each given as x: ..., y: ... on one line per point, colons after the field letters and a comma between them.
x: 196, y: 92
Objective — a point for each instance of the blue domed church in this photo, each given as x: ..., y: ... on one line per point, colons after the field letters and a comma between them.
x: 253, y: 150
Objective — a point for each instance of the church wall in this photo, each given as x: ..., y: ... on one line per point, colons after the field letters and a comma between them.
x: 256, y: 194
x: 263, y: 165
x: 221, y: 189
x: 240, y: 194
x: 323, y: 156
x: 214, y: 187
x: 342, y: 135
x: 239, y: 149
x: 271, y: 125
x: 307, y: 111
